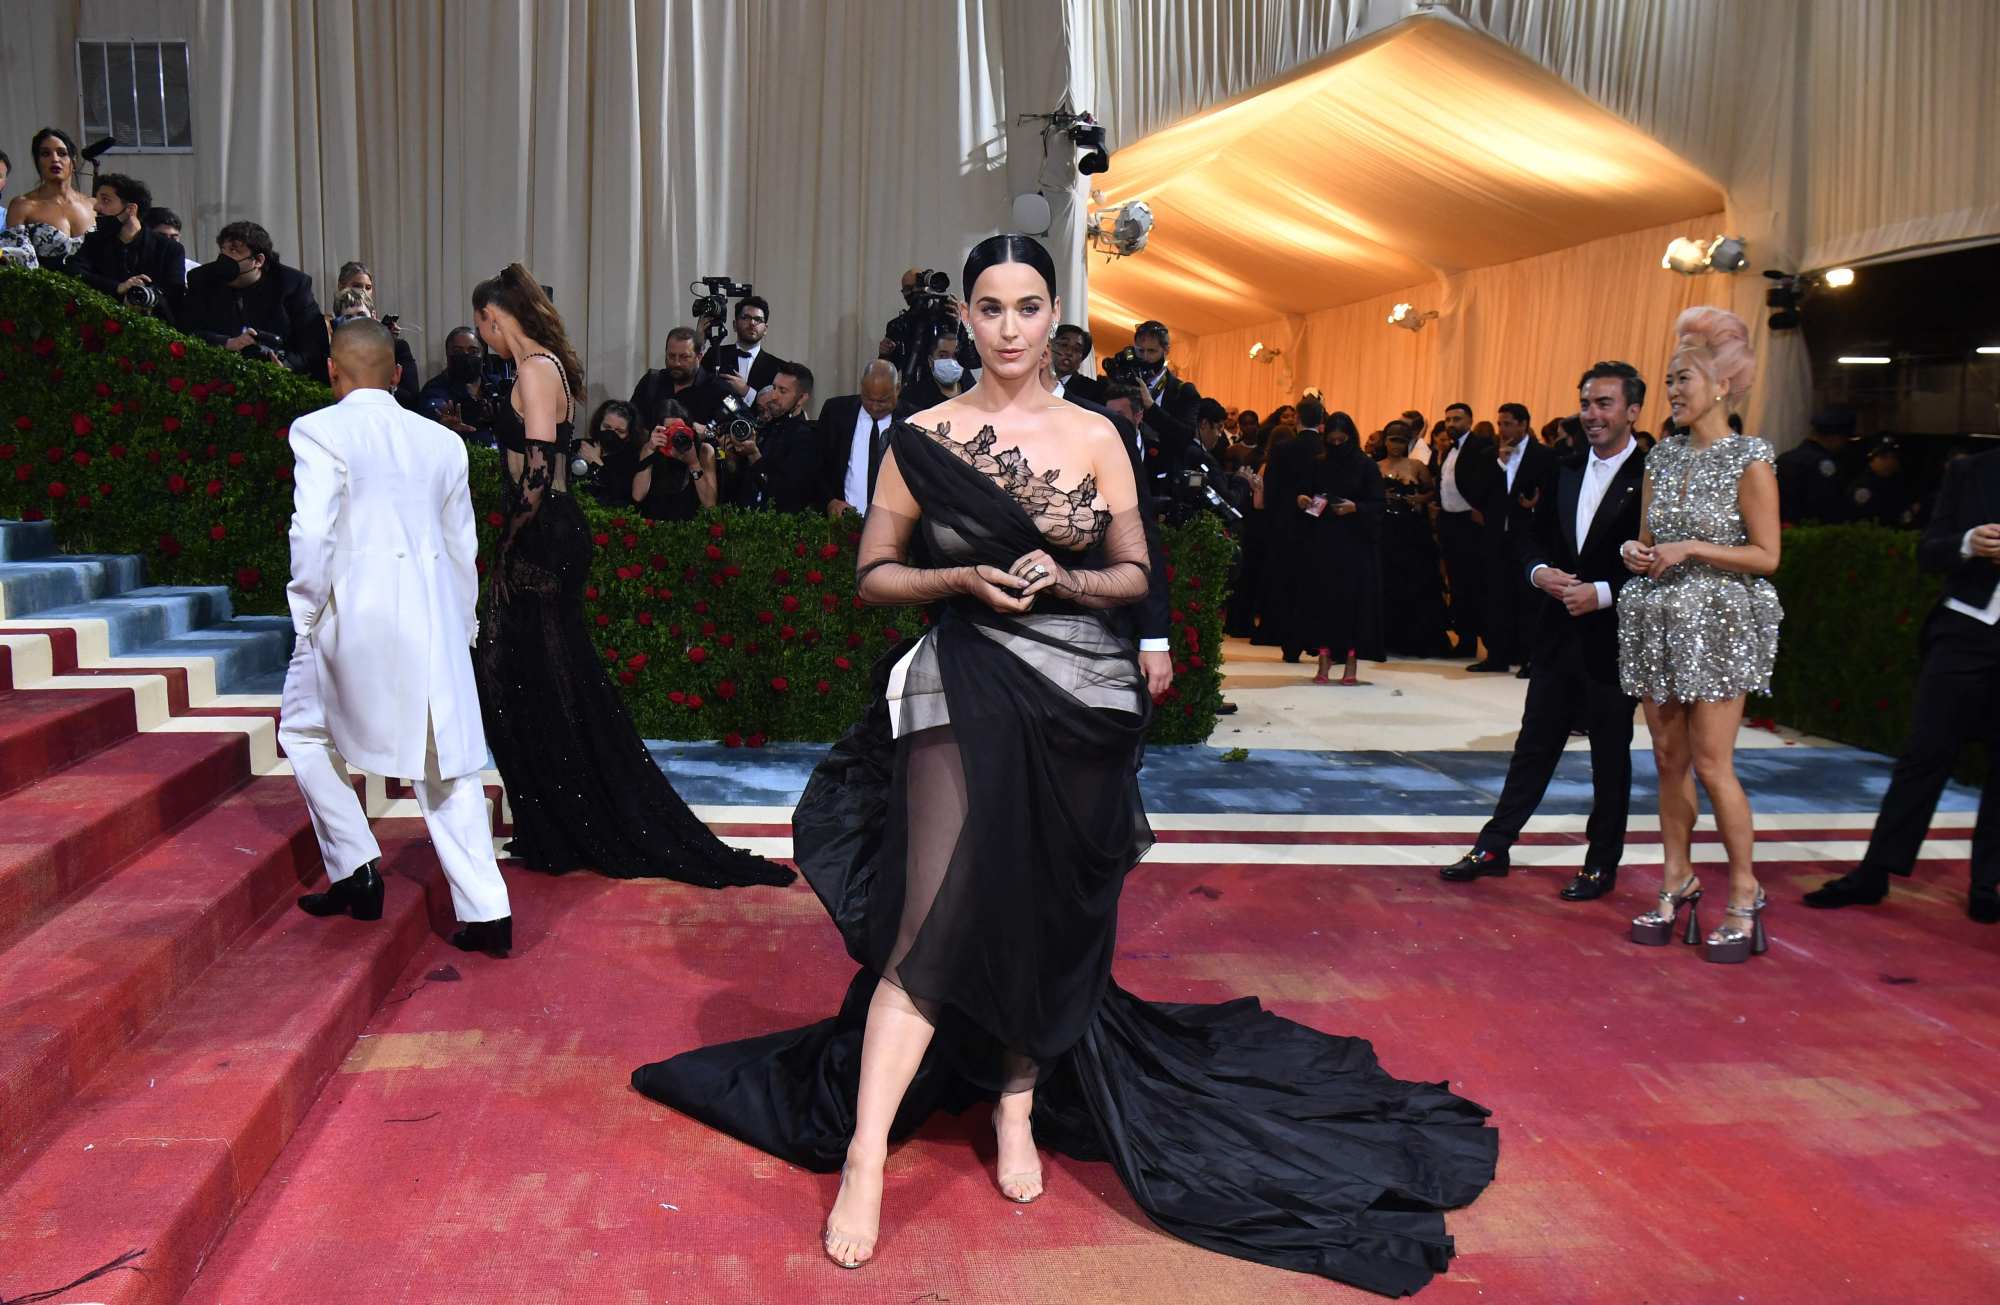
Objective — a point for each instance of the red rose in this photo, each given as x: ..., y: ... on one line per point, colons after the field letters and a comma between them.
x: 714, y: 553
x: 618, y: 523
x: 590, y: 592
x: 812, y: 636
x: 781, y: 576
x: 858, y: 604
x: 731, y: 571
x: 284, y: 473
x: 104, y: 491
x: 200, y: 392
x: 637, y: 661
x: 708, y: 627
x: 657, y: 562
x: 843, y: 663
x: 170, y: 424
x: 715, y: 531
x: 177, y: 349
x: 55, y: 455
x: 694, y: 702
x: 1195, y: 661
x: 630, y: 542
x: 677, y: 697
x: 176, y: 485
x: 798, y: 550
x: 789, y: 603
x: 626, y: 677
x: 854, y: 639
x: 113, y: 326
x: 824, y: 686
x: 726, y: 690
x: 732, y: 740
x: 893, y: 635
x: 767, y: 617
x: 217, y: 533
x: 701, y: 606
x: 786, y: 632
x: 33, y: 514
x: 81, y: 500
x: 600, y: 540
x: 6, y: 326
x: 24, y: 473
x: 103, y: 390
x: 602, y: 620
x: 57, y: 489
x: 177, y: 383
x: 754, y: 741
x: 829, y: 550
x: 1193, y: 606
x: 495, y: 520
x: 779, y: 684
x: 728, y: 641
x: 117, y: 451
x: 697, y: 654
x: 236, y: 459
x: 646, y: 618
x: 6, y: 452
x: 828, y: 603
x: 80, y: 424
x: 1194, y: 582
x: 248, y: 577
x: 1175, y: 616
x: 244, y: 410
x: 80, y: 458
x: 44, y: 347
x: 814, y: 577
x: 24, y: 422
x: 214, y: 488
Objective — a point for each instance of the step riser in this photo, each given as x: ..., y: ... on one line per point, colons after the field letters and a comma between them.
x: 35, y: 876
x: 183, y: 1157
x: 41, y: 1068
x: 71, y: 727
x: 29, y: 587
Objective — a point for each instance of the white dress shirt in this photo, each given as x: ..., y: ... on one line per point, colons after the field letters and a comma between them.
x: 1513, y: 463
x: 1987, y: 615
x: 1448, y: 496
x: 1598, y: 473
x: 744, y: 362
x: 860, y: 451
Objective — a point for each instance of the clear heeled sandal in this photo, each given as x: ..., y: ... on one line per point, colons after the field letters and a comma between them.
x: 1656, y: 927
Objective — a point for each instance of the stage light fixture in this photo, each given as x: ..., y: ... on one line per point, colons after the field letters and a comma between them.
x: 1838, y: 278
x: 1121, y: 233
x: 1089, y: 137
x: 1862, y: 360
x: 1988, y: 349
x: 1407, y: 317
x: 1258, y: 353
x: 1691, y: 257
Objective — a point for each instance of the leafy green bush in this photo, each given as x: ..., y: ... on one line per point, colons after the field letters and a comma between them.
x: 738, y: 626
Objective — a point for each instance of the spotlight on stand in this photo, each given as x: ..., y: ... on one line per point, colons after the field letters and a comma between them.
x: 1691, y: 257
x: 1123, y: 232
x: 1409, y: 318
x: 1794, y: 288
x: 1838, y: 278
x: 1260, y: 354
x: 1084, y: 132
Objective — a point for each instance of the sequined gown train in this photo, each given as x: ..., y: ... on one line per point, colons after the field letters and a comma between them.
x: 1698, y: 633
x: 970, y: 838
x: 585, y: 792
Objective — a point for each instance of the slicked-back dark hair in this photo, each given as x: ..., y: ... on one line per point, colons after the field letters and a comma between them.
x: 1635, y: 384
x: 1006, y: 248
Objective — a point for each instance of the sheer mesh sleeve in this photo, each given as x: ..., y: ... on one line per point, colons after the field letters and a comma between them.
x: 1124, y: 576
x: 882, y: 573
x: 537, y: 474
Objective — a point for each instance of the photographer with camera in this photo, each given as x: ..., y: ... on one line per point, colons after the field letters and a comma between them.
x: 460, y: 397
x: 124, y: 259
x: 777, y: 453
x: 250, y: 303
x: 682, y: 380
x: 945, y: 376
x: 746, y: 366
x: 931, y: 310
x: 1167, y: 402
x: 677, y: 474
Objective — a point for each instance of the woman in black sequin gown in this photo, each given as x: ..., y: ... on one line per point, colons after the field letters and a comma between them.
x: 970, y: 838
x: 585, y: 792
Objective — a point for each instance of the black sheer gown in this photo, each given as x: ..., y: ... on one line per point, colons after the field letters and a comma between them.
x: 1337, y: 592
x: 970, y: 836
x: 1413, y: 617
x: 585, y: 792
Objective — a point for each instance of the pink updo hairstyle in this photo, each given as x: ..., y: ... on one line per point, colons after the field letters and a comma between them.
x: 1716, y: 343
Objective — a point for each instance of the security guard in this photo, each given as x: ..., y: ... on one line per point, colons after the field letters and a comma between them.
x: 1813, y: 478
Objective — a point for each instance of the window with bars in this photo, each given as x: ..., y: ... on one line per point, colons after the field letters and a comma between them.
x: 137, y: 93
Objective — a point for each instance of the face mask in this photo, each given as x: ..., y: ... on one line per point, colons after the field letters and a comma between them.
x: 109, y: 222
x: 946, y: 370
x: 236, y: 269
x: 462, y: 368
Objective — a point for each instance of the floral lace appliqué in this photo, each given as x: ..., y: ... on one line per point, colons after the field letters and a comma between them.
x: 1071, y: 519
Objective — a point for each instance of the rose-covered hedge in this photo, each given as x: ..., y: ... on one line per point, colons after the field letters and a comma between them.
x: 1855, y: 604
x: 739, y: 626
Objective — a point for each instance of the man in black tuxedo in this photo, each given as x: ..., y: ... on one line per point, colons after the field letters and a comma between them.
x: 856, y: 430
x: 122, y: 252
x: 780, y: 467
x: 1147, y: 621
x: 1568, y: 548
x: 1168, y: 406
x: 684, y: 380
x: 745, y: 366
x: 1958, y: 697
x: 1459, y: 521
x: 1515, y: 472
x: 247, y: 299
x: 1069, y: 347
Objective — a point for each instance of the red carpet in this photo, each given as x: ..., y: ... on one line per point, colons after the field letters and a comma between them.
x: 1817, y: 1125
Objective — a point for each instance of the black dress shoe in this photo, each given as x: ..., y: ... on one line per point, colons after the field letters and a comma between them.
x: 1983, y: 905
x: 1525, y: 671
x: 1291, y: 655
x: 1226, y: 709
x: 1475, y: 865
x: 358, y: 895
x: 494, y: 937
x: 1860, y: 886
x: 1591, y: 883
x: 1490, y: 667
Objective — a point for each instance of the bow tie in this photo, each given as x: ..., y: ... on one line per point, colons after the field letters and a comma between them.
x: 744, y: 353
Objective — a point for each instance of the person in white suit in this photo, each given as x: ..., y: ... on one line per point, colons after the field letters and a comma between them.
x: 384, y: 595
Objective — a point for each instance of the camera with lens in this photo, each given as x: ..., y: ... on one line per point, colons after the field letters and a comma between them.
x: 931, y: 297
x: 264, y: 347
x: 1192, y: 495
x: 737, y: 420
x: 1124, y: 367
x: 142, y: 297
x: 712, y: 296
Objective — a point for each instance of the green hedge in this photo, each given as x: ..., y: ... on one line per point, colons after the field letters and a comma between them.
x: 1855, y: 603
x: 738, y: 626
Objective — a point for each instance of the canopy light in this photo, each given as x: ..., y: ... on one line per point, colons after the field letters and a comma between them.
x: 1861, y: 360
x: 1988, y: 348
x: 1123, y: 232
x: 1258, y: 353
x: 1691, y: 257
x: 1409, y: 318
x: 1838, y: 278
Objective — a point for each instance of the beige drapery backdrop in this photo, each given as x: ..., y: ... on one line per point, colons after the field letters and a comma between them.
x: 1520, y: 332
x: 619, y: 148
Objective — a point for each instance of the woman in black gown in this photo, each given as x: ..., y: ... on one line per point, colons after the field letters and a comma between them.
x: 970, y: 836
x: 1336, y: 522
x: 1413, y: 617
x: 584, y: 790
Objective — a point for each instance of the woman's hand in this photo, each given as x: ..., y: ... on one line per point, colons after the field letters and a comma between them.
x: 1039, y: 571
x: 1668, y: 556
x: 1637, y: 557
x: 999, y: 590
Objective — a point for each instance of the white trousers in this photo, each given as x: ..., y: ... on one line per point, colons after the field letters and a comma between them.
x: 454, y: 809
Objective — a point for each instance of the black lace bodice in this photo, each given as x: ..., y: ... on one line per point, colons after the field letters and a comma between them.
x: 534, y: 467
x: 1073, y: 520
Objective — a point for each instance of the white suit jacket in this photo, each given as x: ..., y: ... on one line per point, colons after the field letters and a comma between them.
x: 385, y: 583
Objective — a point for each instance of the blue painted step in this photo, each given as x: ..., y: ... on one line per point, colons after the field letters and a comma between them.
x: 37, y: 585
x: 22, y: 540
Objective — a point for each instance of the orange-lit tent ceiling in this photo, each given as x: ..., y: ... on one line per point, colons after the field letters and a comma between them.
x: 1420, y: 153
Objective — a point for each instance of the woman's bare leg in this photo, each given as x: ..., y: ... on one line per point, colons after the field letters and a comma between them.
x: 892, y: 1047
x: 1673, y: 758
x: 1712, y: 727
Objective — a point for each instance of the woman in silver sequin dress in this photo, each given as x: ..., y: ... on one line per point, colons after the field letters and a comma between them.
x: 1698, y: 628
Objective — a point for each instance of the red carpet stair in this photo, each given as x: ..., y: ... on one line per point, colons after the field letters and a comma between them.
x: 166, y: 1015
